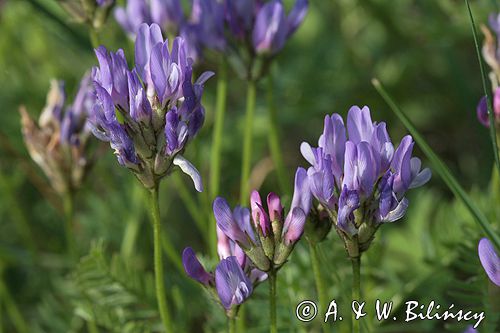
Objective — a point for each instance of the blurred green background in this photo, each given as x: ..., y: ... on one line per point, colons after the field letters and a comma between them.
x: 422, y: 50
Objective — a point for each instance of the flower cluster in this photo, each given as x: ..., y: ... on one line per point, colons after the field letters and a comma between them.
x: 230, y: 26
x: 92, y: 12
x: 490, y: 260
x: 270, y: 239
x: 235, y: 276
x: 149, y: 113
x: 59, y: 142
x: 359, y: 178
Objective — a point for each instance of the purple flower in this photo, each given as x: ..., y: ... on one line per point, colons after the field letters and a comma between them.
x: 272, y: 27
x: 159, y: 105
x: 490, y: 260
x: 194, y: 269
x: 240, y: 16
x: 236, y: 224
x: 167, y: 14
x: 482, y: 109
x: 233, y: 286
x: 260, y: 217
x: 355, y: 167
x: 112, y: 75
x: 234, y: 277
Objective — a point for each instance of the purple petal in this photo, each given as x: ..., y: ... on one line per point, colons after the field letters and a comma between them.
x: 348, y: 203
x: 490, y: 260
x: 296, y: 16
x: 233, y: 286
x: 270, y: 29
x: 294, y: 225
x: 397, y: 212
x: 259, y: 215
x: 147, y: 37
x: 359, y: 124
x: 193, y: 267
x: 157, y: 71
x: 482, y: 112
x: 401, y: 164
x: 301, y: 193
x: 226, y: 223
x: 274, y: 206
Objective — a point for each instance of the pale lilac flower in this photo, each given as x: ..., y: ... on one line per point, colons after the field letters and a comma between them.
x: 160, y: 106
x: 271, y: 237
x: 490, y: 260
x: 356, y: 167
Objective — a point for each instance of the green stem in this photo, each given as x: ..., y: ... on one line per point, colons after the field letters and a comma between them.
x: 356, y: 290
x: 272, y: 301
x: 274, y: 138
x: 247, y: 142
x: 69, y: 213
x: 320, y: 287
x: 158, y: 265
x: 232, y: 325
x: 220, y: 110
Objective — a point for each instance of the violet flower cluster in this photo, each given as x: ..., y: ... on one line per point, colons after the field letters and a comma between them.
x: 58, y: 143
x: 235, y: 276
x: 490, y: 260
x: 248, y: 250
x: 150, y: 113
x: 234, y: 27
x: 269, y: 240
x: 359, y: 177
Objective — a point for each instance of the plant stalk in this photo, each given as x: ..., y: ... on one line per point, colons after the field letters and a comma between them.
x: 320, y: 286
x: 158, y: 264
x: 69, y: 213
x: 356, y: 290
x: 272, y: 301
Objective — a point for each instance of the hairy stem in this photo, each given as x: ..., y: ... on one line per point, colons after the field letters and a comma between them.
x: 232, y: 325
x: 158, y: 264
x: 320, y: 286
x: 356, y: 290
x: 272, y: 301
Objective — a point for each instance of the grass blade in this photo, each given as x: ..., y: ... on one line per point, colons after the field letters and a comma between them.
x: 487, y: 91
x: 440, y: 167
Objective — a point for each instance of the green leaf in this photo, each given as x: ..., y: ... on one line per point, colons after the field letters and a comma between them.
x: 440, y: 167
x: 487, y: 91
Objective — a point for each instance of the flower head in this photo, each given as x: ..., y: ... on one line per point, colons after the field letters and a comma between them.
x: 92, y: 12
x: 272, y: 26
x: 358, y: 176
x: 490, y: 260
x: 167, y: 14
x: 58, y: 143
x: 269, y: 240
x: 149, y: 113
